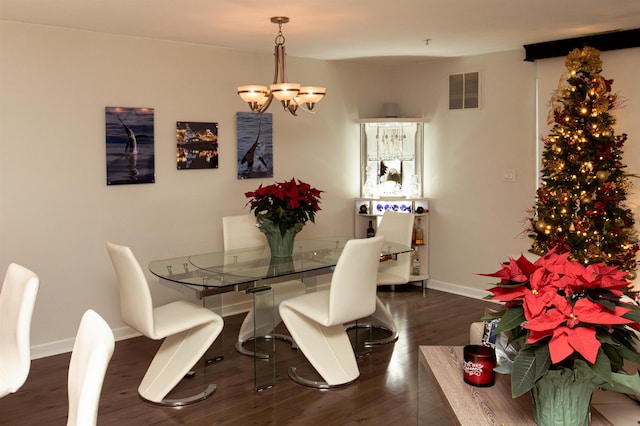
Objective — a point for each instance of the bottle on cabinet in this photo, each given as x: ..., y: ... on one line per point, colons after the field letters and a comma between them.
x: 415, y: 263
x: 419, y: 240
x: 370, y: 231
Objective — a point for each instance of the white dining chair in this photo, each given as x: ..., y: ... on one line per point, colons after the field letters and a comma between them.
x: 241, y: 232
x: 90, y: 358
x: 188, y: 330
x: 316, y: 320
x: 395, y: 227
x: 17, y: 300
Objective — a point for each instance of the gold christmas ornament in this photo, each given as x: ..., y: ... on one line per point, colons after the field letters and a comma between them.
x: 587, y: 59
x: 540, y: 225
x: 631, y: 276
x: 601, y: 105
x: 602, y: 175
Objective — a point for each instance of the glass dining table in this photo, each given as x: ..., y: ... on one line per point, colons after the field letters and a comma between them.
x: 253, y: 271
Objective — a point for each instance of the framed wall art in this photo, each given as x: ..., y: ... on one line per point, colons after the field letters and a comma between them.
x: 255, y: 145
x: 197, y: 145
x: 129, y: 145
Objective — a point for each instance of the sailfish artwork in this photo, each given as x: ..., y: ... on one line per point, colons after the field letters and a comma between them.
x: 132, y: 143
x: 255, y: 152
x: 129, y: 137
x: 131, y: 150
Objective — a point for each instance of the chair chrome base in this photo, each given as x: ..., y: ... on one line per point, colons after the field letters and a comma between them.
x: 181, y: 402
x: 293, y: 375
x: 243, y: 351
x: 376, y: 342
x: 214, y: 359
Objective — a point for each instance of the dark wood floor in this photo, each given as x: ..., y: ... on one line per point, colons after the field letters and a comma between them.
x: 386, y: 392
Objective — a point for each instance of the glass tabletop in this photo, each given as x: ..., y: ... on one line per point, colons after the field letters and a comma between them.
x: 238, y: 267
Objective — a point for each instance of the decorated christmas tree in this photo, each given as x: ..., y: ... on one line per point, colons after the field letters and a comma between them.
x: 581, y: 203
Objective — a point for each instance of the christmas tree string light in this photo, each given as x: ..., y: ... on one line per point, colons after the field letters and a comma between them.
x: 581, y: 203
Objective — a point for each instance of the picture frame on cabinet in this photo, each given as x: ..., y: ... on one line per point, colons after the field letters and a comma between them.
x: 129, y: 144
x: 197, y: 145
x: 255, y: 145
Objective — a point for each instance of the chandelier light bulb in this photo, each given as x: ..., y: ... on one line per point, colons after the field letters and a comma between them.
x: 285, y: 91
x: 310, y: 95
x: 291, y: 95
x: 254, y: 95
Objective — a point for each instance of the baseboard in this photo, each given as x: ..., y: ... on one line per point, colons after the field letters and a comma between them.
x: 122, y: 333
x: 474, y: 293
x: 66, y: 345
x: 236, y: 308
x: 126, y: 332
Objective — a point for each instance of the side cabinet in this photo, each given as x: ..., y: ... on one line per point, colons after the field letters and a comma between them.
x: 370, y: 210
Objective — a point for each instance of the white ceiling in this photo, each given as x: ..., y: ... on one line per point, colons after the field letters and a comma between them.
x: 366, y: 30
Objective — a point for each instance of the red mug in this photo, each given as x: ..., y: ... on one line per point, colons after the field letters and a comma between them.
x: 479, y: 362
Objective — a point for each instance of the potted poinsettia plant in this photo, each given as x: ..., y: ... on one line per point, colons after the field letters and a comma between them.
x: 281, y: 211
x: 572, y: 325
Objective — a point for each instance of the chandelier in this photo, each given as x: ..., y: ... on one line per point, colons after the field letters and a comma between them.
x: 291, y: 95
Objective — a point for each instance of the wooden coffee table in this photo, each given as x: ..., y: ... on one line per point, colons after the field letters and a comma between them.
x: 475, y: 406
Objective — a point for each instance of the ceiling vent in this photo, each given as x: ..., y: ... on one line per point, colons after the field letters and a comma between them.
x: 464, y: 90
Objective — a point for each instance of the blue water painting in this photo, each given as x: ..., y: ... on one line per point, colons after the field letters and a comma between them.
x: 129, y: 145
x: 255, y: 145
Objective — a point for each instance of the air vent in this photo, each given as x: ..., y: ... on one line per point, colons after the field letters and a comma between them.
x: 463, y: 90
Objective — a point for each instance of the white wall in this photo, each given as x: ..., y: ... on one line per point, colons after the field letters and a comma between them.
x: 56, y: 210
x: 476, y: 217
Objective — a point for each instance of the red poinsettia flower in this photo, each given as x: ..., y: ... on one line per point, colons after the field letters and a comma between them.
x: 285, y: 203
x: 571, y: 327
x: 566, y: 340
x: 510, y: 294
x: 571, y: 308
x: 516, y: 271
x: 545, y: 310
x: 573, y: 337
x: 609, y: 278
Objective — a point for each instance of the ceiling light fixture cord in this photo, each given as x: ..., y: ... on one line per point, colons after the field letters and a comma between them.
x: 290, y: 95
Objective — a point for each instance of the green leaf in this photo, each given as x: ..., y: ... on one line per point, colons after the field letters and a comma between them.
x: 611, y: 351
x: 633, y: 314
x: 602, y: 367
x: 524, y: 372
x: 511, y: 319
x: 624, y: 383
x: 493, y: 315
x: 543, y: 360
x: 606, y: 303
x: 629, y: 354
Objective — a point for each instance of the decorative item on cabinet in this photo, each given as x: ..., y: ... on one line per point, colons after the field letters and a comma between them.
x: 370, y: 231
x: 419, y: 240
x: 415, y: 263
x: 369, y: 211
